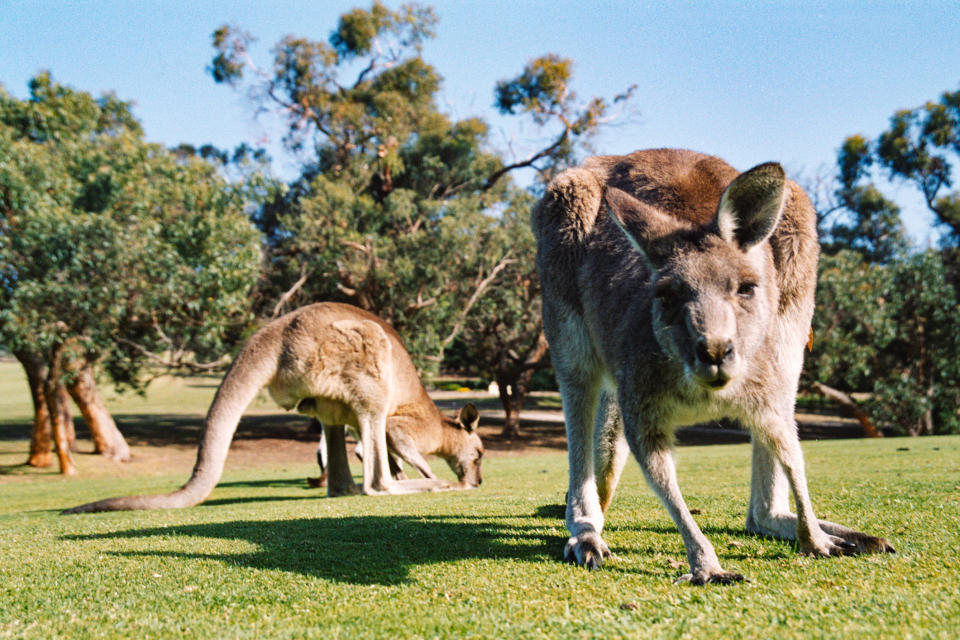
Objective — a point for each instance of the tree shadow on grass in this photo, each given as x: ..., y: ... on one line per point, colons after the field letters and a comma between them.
x: 355, y: 549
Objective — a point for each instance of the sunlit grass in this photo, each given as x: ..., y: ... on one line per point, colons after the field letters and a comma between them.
x: 266, y: 557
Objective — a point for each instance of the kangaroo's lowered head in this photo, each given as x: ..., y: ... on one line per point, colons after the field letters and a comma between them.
x: 463, y: 449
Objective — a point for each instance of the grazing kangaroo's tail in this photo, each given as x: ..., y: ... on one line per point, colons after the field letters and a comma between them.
x: 253, y: 368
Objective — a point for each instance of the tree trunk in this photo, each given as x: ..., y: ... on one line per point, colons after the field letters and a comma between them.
x: 107, y: 439
x: 512, y: 395
x: 41, y: 444
x: 928, y: 414
x: 41, y: 436
x: 869, y: 429
x: 54, y: 396
x: 67, y: 417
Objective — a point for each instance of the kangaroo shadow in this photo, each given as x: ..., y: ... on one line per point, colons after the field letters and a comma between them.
x: 355, y: 549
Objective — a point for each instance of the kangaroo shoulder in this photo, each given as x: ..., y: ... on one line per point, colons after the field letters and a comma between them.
x: 569, y: 207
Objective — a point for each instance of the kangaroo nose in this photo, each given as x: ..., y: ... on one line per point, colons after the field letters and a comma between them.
x: 714, y: 352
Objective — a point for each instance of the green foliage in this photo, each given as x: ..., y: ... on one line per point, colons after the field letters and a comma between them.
x: 110, y: 245
x: 920, y: 146
x: 360, y: 31
x: 503, y: 337
x: 543, y: 91
x: 873, y: 226
x: 893, y: 331
x: 888, y: 319
x: 397, y: 207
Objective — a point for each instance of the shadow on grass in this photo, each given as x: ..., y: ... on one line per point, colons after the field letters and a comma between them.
x: 159, y: 430
x: 356, y: 549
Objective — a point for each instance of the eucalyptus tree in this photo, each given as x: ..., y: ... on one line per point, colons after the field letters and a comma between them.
x: 397, y: 204
x: 113, y: 252
x: 888, y: 316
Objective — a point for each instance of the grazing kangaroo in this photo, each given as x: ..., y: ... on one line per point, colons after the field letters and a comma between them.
x: 410, y: 441
x: 677, y: 291
x: 343, y: 366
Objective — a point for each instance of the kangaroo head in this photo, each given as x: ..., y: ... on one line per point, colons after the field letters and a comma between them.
x: 467, y: 455
x: 712, y: 290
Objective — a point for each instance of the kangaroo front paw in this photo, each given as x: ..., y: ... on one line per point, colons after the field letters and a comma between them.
x: 715, y: 576
x: 586, y: 549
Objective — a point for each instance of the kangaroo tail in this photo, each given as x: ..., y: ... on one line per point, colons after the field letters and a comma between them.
x: 254, y: 367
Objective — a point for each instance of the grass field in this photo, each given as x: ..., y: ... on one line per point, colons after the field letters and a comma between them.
x: 267, y: 558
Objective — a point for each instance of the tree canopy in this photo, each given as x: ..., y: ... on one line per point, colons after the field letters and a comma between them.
x: 113, y: 250
x: 397, y: 206
x: 888, y: 316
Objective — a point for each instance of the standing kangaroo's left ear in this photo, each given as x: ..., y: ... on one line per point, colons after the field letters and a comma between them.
x: 469, y: 417
x: 750, y: 207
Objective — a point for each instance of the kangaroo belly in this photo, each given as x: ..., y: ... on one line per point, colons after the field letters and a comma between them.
x: 328, y: 411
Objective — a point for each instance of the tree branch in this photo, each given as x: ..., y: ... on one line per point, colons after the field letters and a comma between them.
x: 543, y: 153
x: 171, y: 364
x: 482, y: 286
x: 289, y: 293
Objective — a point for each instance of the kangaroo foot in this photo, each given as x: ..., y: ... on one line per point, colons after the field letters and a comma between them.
x: 864, y: 543
x: 316, y: 483
x: 417, y: 485
x: 586, y: 549
x: 711, y: 576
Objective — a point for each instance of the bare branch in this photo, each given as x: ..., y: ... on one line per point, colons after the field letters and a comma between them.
x: 176, y: 363
x: 346, y: 290
x: 482, y: 286
x: 543, y: 153
x: 289, y: 293
x: 364, y: 249
x: 869, y: 429
x: 420, y: 303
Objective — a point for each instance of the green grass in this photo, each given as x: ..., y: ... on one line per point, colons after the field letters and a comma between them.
x: 265, y: 557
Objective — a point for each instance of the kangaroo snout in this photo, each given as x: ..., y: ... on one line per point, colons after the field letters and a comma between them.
x: 715, y: 361
x: 714, y: 352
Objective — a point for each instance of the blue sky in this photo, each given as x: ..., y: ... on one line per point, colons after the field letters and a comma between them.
x: 748, y: 81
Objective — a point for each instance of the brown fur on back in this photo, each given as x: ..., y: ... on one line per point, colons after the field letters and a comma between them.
x: 687, y: 185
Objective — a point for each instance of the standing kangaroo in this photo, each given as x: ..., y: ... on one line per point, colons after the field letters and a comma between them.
x: 343, y: 366
x: 677, y: 291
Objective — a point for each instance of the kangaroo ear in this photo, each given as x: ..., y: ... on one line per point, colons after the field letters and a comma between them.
x: 751, y: 206
x: 469, y: 417
x: 643, y: 226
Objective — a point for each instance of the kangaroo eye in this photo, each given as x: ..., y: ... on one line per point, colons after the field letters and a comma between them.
x: 746, y: 289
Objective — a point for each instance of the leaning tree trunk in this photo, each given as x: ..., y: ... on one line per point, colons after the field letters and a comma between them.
x: 107, y: 439
x: 55, y: 400
x: 869, y: 429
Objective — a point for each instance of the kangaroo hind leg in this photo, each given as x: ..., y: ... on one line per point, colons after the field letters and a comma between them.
x: 769, y: 513
x: 339, y: 479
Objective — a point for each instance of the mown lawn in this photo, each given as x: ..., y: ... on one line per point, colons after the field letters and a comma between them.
x: 267, y: 558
